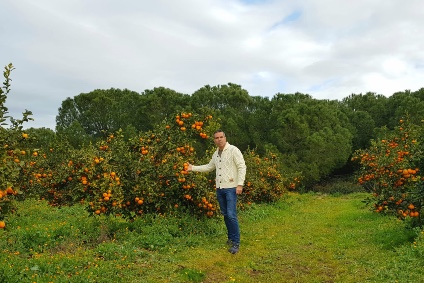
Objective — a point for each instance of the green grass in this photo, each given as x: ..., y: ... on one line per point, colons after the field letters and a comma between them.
x: 304, y: 238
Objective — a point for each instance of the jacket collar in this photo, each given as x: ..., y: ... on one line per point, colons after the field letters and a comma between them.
x: 225, y: 147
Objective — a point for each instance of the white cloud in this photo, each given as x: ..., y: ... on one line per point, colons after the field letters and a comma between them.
x: 328, y: 49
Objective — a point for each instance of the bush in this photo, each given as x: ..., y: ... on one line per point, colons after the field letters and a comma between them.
x: 13, y: 150
x: 391, y: 170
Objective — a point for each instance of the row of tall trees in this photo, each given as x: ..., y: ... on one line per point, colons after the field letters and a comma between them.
x: 316, y: 137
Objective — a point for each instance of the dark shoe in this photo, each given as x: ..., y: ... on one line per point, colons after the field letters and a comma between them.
x: 234, y: 248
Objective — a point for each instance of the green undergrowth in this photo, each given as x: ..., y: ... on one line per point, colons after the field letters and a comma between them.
x: 304, y: 238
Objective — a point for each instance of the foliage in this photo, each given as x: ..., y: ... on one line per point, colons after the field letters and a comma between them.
x: 313, y: 136
x: 13, y: 147
x: 391, y: 170
x: 158, y: 104
x: 266, y: 181
x: 231, y: 105
x: 106, y: 111
x: 376, y: 105
x: 99, y: 111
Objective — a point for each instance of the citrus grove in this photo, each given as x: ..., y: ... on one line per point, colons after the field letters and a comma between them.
x: 130, y: 176
x: 132, y: 173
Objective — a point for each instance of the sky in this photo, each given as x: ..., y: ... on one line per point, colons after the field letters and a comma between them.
x: 328, y: 49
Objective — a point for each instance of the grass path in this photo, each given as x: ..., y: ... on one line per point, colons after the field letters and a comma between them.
x: 305, y: 239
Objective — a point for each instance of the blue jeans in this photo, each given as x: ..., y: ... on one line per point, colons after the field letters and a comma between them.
x: 227, y: 199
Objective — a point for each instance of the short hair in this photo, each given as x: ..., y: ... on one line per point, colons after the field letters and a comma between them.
x: 219, y: 131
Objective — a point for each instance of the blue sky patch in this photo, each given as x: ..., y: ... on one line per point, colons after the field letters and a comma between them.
x: 294, y: 16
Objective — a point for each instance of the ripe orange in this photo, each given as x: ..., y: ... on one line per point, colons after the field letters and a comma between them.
x: 2, y: 224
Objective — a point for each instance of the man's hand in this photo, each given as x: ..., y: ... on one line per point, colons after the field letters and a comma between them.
x: 189, y: 167
x: 239, y: 189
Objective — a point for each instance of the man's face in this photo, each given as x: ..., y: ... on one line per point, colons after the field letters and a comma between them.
x: 220, y: 139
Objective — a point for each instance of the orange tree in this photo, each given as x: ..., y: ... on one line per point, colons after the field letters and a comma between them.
x: 13, y: 142
x: 12, y: 149
x: 128, y: 176
x: 391, y: 169
x: 152, y: 169
x: 266, y: 181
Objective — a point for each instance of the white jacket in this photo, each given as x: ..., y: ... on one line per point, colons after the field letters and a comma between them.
x: 230, y: 167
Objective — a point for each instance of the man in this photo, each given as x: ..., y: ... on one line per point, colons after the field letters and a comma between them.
x: 228, y: 162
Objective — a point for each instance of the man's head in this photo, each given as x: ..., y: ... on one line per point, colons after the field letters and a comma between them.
x: 220, y: 139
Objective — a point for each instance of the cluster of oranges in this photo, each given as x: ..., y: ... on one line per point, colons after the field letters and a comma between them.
x: 411, y: 211
x: 180, y: 122
x: 186, y: 149
x: 144, y: 150
x: 198, y: 127
x: 207, y: 206
x: 8, y: 191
